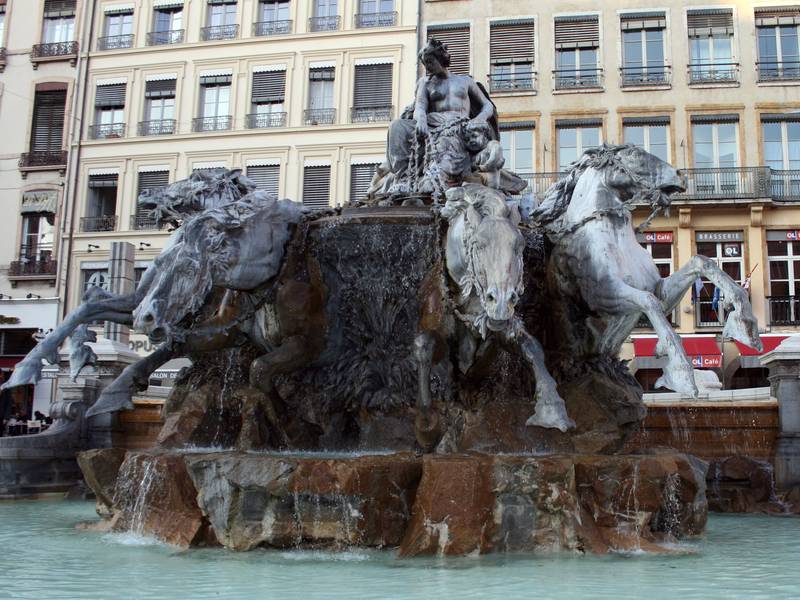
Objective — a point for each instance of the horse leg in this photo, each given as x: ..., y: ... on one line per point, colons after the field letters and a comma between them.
x: 550, y: 410
x: 678, y: 373
x: 117, y: 395
x: 426, y: 424
x: 741, y: 324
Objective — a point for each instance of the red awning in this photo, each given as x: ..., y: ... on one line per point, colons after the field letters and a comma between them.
x: 703, y: 351
x: 770, y: 342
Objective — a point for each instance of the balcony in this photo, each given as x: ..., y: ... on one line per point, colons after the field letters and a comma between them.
x: 319, y: 116
x: 53, y: 52
x: 784, y: 310
x: 96, y: 224
x: 645, y: 77
x: 578, y: 79
x: 162, y: 127
x: 42, y: 161
x: 778, y: 71
x: 512, y: 82
x: 728, y: 183
x: 33, y: 265
x: 266, y: 120
x: 705, y: 315
x: 3, y: 54
x: 164, y: 38
x: 539, y: 183
x: 785, y: 185
x: 115, y: 42
x: 265, y: 28
x: 371, y: 114
x: 704, y: 74
x: 144, y: 223
x: 219, y: 32
x: 107, y: 131
x: 201, y: 124
x: 379, y: 19
x: 324, y: 23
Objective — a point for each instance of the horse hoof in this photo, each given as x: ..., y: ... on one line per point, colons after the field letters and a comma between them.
x: 551, y: 416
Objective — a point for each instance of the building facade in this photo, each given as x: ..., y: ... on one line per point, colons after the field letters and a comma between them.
x: 39, y: 65
x: 712, y: 87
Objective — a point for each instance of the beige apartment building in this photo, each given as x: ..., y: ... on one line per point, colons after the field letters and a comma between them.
x: 39, y: 65
x: 296, y: 93
x: 713, y: 87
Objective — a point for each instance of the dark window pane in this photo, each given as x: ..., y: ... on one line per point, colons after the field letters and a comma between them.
x: 778, y: 269
x: 777, y: 248
x: 662, y: 250
x: 779, y: 288
x: 707, y: 249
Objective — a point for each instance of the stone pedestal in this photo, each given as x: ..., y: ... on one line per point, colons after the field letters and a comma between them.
x: 784, y: 376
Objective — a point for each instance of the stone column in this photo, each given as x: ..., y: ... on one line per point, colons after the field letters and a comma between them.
x: 784, y: 377
x: 120, y: 281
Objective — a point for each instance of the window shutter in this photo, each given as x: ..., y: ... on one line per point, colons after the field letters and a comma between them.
x: 269, y: 87
x: 512, y: 41
x: 715, y: 118
x: 360, y: 180
x: 322, y: 74
x: 639, y: 21
x: 705, y: 23
x: 317, y: 186
x: 373, y: 86
x: 59, y: 8
x: 572, y: 123
x: 208, y: 80
x: 780, y: 118
x: 48, y: 121
x: 266, y: 177
x: 577, y: 32
x: 152, y: 180
x: 777, y: 15
x: 456, y: 37
x: 110, y: 95
x: 160, y: 89
x: 101, y: 181
x: 654, y: 120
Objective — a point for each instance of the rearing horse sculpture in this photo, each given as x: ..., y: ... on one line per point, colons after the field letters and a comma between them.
x: 598, y: 263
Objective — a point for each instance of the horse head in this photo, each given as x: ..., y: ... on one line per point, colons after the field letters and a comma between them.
x: 484, y: 254
x: 239, y: 246
x: 201, y: 190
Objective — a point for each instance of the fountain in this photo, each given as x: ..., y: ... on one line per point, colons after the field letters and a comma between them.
x: 429, y: 369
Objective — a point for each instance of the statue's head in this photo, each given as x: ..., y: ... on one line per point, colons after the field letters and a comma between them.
x: 493, y: 247
x: 435, y: 57
x: 477, y: 135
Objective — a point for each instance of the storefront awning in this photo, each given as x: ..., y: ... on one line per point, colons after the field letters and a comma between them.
x: 703, y: 351
x: 750, y: 358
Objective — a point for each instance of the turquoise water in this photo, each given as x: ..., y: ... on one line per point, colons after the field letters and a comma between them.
x: 43, y: 556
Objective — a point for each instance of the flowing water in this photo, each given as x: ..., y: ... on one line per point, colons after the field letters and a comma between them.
x: 44, y: 557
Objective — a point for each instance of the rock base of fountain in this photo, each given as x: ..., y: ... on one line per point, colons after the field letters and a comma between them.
x: 458, y: 504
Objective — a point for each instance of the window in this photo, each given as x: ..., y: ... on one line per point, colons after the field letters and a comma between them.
x: 159, y: 100
x: 372, y: 93
x: 659, y: 246
x: 59, y: 21
x: 711, y: 46
x: 215, y: 103
x: 574, y: 138
x: 317, y: 186
x: 267, y: 177
x: 138, y: 273
x: 726, y: 249
x: 101, y: 205
x: 325, y: 8
x: 2, y: 24
x: 517, y: 142
x: 267, y: 98
x: 109, y: 119
x: 273, y: 18
x: 38, y: 236
x: 320, y: 96
x: 778, y: 31
x: 167, y: 24
x: 783, y: 251
x: 95, y: 278
x: 146, y: 181
x: 649, y: 133
x: 781, y: 134
x: 47, y: 131
x: 716, y: 149
x: 456, y: 37
x: 511, y: 52
x: 325, y: 17
x: 361, y: 179
x: 117, y: 30
x: 643, y: 49
x: 577, y: 48
x: 376, y: 13
x: 220, y: 21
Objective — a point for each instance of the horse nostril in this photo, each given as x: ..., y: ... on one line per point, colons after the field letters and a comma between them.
x: 514, y: 298
x: 490, y: 297
x: 148, y: 318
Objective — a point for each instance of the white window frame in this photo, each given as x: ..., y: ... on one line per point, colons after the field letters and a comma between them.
x: 647, y: 144
x: 580, y: 146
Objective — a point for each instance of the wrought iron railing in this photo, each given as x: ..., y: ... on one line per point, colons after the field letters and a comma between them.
x: 107, y: 131
x: 3, y: 54
x: 54, y: 50
x: 726, y: 183
x: 219, y: 32
x: 513, y: 82
x: 576, y: 79
x: 162, y: 127
x: 212, y: 123
x: 163, y: 38
x: 784, y: 310
x: 539, y: 183
x: 324, y: 23
x: 319, y: 116
x: 144, y: 222
x: 716, y: 73
x: 115, y: 42
x: 785, y: 185
x: 377, y: 19
x: 265, y: 120
x: 644, y: 321
x: 32, y: 160
x: 33, y: 262
x: 103, y: 223
x: 642, y: 77
x: 709, y: 312
x: 272, y: 28
x: 778, y: 71
x: 371, y: 114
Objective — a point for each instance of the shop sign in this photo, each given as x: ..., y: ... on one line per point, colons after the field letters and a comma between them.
x: 792, y: 235
x: 719, y: 236
x: 658, y: 237
x: 707, y: 362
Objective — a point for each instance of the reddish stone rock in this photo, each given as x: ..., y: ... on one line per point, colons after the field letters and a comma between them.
x: 740, y: 484
x: 100, y: 468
